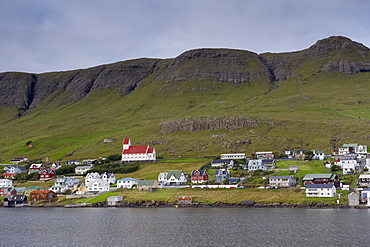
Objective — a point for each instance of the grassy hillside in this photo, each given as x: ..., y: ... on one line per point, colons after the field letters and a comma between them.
x: 303, y: 112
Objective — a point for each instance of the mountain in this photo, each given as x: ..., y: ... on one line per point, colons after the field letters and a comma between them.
x: 203, y: 102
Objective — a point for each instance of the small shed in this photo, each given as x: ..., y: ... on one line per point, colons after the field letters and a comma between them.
x: 353, y: 199
x: 247, y: 203
x: 185, y: 200
x: 114, y: 200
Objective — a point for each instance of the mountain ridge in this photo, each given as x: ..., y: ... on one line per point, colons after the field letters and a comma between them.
x: 203, y: 102
x: 26, y: 91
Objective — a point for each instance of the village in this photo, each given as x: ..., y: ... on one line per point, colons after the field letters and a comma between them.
x: 343, y: 173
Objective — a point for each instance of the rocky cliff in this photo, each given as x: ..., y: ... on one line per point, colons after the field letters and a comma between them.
x: 24, y: 91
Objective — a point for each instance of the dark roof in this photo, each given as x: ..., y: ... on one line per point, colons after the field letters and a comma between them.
x: 282, y: 177
x: 268, y: 161
x: 221, y: 161
x: 222, y: 172
x: 202, y: 172
x: 18, y: 198
x: 319, y: 186
x: 319, y: 176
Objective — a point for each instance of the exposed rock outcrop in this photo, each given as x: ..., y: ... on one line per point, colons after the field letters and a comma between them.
x: 16, y: 89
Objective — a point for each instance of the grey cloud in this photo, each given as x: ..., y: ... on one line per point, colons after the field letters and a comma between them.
x: 40, y: 36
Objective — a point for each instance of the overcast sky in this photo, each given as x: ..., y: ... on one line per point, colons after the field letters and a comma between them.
x: 47, y: 35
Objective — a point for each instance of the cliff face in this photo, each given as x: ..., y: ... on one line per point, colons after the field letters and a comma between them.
x: 332, y: 54
x: 25, y: 91
x: 231, y: 66
x: 123, y: 76
x: 16, y: 89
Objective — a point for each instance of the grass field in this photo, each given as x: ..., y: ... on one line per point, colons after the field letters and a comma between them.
x: 211, y: 196
x: 303, y: 112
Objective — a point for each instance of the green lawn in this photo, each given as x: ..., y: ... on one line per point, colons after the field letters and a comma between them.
x: 102, y: 197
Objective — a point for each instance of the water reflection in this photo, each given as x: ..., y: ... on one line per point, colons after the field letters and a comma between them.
x: 183, y: 227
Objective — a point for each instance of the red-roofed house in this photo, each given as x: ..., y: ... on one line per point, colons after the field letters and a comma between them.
x: 137, y: 153
x: 8, y: 175
x: 48, y: 174
x: 42, y: 195
x: 36, y: 168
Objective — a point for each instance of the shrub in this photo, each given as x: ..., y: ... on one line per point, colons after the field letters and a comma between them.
x: 116, y: 168
x: 66, y: 169
x: 114, y: 157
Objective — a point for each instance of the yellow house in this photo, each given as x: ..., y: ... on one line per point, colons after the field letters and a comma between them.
x: 79, y: 189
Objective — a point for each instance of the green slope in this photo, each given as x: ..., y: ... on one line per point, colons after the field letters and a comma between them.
x: 301, y: 113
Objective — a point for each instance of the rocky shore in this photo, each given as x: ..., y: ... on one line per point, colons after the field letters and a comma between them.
x: 223, y: 205
x: 160, y: 204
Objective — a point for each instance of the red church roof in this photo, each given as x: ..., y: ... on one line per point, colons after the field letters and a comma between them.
x: 136, y: 150
x: 126, y: 141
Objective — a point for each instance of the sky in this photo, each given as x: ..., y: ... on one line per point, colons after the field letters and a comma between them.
x: 57, y: 35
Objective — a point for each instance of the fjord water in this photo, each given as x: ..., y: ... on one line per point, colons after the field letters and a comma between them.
x: 183, y: 227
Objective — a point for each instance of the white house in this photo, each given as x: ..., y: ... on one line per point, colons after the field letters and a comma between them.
x: 172, y: 177
x: 137, y: 153
x: 56, y: 165
x: 68, y: 181
x: 83, y: 169
x: 349, y: 166
x: 365, y: 195
x: 36, y: 168
x: 289, y: 154
x: 254, y: 165
x: 58, y: 188
x: 6, y: 182
x: 367, y: 161
x: 364, y: 180
x: 95, y: 182
x: 126, y: 183
x: 318, y: 154
x: 353, y: 148
x: 236, y: 156
x: 73, y: 162
x: 282, y: 181
x: 222, y: 163
x: 321, y: 190
x: 15, y: 169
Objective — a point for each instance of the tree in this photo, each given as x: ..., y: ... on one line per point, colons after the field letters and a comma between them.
x: 114, y: 157
x: 335, y: 168
x: 309, y: 155
x: 66, y: 169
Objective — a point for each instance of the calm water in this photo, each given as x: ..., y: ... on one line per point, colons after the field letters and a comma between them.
x: 183, y: 227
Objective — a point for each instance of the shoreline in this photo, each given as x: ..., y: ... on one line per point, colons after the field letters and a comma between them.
x: 159, y: 204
